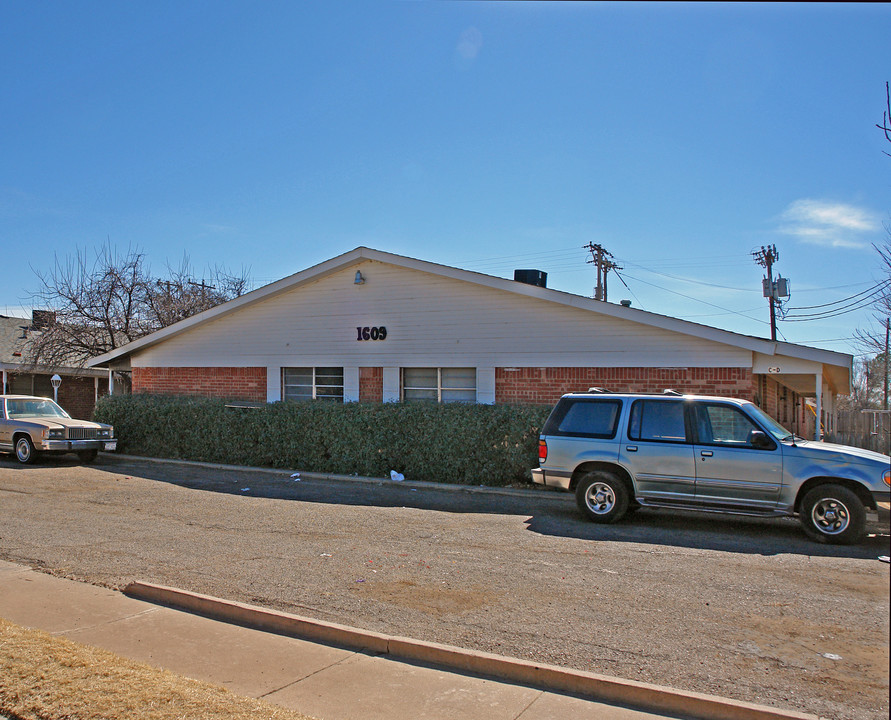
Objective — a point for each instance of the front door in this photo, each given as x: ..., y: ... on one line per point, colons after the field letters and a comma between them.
x: 730, y: 468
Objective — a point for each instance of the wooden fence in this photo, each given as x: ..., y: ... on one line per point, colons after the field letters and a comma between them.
x: 864, y: 430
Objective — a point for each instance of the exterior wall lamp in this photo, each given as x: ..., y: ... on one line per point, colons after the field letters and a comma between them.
x: 359, y: 279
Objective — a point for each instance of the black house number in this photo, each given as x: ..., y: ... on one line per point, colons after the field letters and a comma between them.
x: 371, y: 333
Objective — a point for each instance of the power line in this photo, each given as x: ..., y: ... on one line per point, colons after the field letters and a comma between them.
x: 875, y: 289
x: 859, y: 305
x: 704, y: 302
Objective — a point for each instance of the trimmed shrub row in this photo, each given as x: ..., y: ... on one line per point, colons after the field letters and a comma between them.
x: 453, y: 443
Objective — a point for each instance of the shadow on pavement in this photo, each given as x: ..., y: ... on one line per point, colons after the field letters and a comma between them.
x: 548, y: 512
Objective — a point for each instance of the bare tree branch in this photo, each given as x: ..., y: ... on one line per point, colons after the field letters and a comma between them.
x: 106, y: 299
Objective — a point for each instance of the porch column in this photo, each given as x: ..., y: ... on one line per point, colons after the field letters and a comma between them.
x: 110, y: 381
x: 95, y: 390
x: 4, y: 382
x: 819, y: 378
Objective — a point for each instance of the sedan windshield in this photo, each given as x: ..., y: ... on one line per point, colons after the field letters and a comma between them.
x: 772, y: 426
x: 36, y: 407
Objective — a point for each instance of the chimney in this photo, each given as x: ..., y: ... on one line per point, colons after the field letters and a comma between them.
x: 531, y: 277
x: 41, y: 319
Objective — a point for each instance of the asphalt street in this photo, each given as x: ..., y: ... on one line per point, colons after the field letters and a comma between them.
x: 746, y: 608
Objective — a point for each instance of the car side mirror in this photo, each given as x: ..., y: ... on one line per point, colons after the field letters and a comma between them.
x: 760, y: 440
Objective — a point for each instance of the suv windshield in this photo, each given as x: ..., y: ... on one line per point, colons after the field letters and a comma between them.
x: 772, y: 426
x: 33, y: 408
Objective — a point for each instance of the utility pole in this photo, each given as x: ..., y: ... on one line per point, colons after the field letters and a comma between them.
x: 766, y: 257
x: 603, y: 259
x: 887, y: 333
x: 204, y: 288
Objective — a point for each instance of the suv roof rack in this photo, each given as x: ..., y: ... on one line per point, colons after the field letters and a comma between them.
x: 600, y: 390
x: 669, y: 391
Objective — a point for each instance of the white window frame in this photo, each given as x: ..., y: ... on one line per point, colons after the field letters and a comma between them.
x: 315, y: 383
x: 439, y: 388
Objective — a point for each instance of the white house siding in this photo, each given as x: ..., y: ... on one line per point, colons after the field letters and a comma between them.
x: 431, y: 321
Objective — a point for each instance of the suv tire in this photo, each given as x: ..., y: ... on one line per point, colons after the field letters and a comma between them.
x: 601, y: 496
x: 833, y: 514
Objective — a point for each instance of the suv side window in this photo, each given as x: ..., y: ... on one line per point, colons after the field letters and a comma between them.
x: 659, y: 420
x: 724, y: 425
x: 585, y: 418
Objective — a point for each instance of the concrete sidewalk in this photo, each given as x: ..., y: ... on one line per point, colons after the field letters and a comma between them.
x: 320, y: 680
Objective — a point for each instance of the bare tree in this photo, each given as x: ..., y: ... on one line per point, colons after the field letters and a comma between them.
x: 886, y: 116
x: 179, y: 296
x: 871, y: 339
x: 102, y: 300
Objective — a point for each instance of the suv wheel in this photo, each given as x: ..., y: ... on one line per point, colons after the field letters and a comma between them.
x: 601, y: 496
x: 833, y: 514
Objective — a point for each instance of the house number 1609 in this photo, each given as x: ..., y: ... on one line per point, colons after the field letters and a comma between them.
x: 371, y: 333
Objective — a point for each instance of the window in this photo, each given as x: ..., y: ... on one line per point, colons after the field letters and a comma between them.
x: 724, y: 425
x: 312, y: 384
x: 585, y: 418
x: 439, y: 384
x: 657, y: 420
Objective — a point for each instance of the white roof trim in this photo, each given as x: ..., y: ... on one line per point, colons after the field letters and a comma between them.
x: 360, y: 254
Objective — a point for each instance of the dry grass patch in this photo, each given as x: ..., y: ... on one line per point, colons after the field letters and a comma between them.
x: 43, y: 677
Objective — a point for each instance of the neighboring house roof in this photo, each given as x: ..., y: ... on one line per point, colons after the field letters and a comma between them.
x: 13, y: 340
x: 839, y: 364
x: 15, y: 336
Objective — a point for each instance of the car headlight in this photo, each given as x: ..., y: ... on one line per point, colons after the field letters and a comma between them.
x: 887, y: 478
x: 55, y: 433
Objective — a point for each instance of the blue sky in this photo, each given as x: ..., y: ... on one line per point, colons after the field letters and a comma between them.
x: 269, y: 136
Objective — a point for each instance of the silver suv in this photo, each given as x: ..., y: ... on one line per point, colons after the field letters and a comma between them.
x: 618, y: 452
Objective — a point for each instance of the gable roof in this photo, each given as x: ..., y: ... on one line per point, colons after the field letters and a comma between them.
x: 362, y: 254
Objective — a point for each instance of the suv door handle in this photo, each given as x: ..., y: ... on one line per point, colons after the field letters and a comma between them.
x: 631, y: 448
x: 706, y: 453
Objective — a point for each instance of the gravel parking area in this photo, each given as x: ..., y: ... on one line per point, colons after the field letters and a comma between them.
x: 746, y: 608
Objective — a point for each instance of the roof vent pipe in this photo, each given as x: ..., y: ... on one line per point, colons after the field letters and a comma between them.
x: 531, y: 277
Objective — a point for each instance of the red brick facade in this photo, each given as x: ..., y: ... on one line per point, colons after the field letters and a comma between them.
x: 785, y: 406
x: 371, y: 384
x: 540, y: 385
x: 78, y: 395
x: 225, y: 382
x: 545, y: 385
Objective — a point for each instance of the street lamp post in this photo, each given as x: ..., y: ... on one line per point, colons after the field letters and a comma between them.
x: 56, y: 381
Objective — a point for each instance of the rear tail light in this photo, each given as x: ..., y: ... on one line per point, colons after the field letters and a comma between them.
x: 542, y: 451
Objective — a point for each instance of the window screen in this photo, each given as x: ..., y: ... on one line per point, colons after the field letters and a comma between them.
x: 312, y: 384
x: 439, y: 384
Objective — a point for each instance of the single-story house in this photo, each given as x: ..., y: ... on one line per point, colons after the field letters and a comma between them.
x: 80, y: 387
x: 373, y: 326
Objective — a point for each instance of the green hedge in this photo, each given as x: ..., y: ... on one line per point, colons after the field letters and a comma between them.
x: 452, y: 443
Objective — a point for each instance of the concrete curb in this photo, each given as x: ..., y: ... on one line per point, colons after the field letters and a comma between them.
x: 653, y: 698
x: 542, y: 492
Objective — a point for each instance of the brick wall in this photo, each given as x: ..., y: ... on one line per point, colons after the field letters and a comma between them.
x: 77, y: 395
x: 371, y: 384
x: 546, y: 385
x: 233, y: 383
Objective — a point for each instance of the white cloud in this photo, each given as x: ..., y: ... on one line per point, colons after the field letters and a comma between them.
x: 468, y: 47
x: 831, y: 224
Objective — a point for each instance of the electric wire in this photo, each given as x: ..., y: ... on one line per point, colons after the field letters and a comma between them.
x: 878, y: 287
x: 704, y: 302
